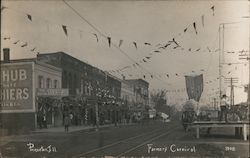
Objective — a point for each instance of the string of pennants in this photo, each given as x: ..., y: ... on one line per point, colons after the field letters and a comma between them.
x: 175, y: 44
x: 23, y: 44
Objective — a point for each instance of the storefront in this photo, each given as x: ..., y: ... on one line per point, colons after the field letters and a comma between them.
x: 19, y: 106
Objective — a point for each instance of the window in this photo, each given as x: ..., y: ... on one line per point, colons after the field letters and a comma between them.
x: 55, y: 84
x: 40, y: 82
x: 48, y: 83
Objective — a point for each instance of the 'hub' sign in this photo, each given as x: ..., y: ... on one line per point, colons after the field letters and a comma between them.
x: 16, y: 92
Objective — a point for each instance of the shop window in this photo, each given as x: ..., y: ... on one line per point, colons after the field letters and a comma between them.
x: 40, y: 82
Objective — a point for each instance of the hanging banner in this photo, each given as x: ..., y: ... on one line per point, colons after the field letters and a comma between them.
x: 194, y: 86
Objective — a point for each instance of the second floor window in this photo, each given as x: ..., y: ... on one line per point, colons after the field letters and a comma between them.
x: 55, y: 84
x: 40, y: 82
x: 48, y: 83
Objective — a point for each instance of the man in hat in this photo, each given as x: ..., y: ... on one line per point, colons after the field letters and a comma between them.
x: 223, y: 107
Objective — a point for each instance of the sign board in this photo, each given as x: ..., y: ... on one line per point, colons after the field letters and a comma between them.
x: 57, y: 92
x: 17, y: 90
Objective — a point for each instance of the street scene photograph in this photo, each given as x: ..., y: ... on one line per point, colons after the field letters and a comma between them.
x: 124, y: 79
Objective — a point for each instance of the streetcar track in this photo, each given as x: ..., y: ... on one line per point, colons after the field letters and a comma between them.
x: 119, y: 142
x: 145, y: 142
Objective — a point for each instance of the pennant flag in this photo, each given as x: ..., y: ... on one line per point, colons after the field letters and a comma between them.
x: 96, y: 37
x: 148, y: 57
x: 167, y: 75
x: 144, y: 60
x: 16, y: 42
x: 189, y: 49
x: 157, y: 51
x: 29, y: 17
x: 212, y: 8
x: 194, y: 86
x: 33, y: 49
x: 194, y: 24
x: 109, y: 40
x: 198, y: 49
x: 3, y: 7
x: 176, y: 74
x: 151, y: 76
x: 144, y: 76
x: 135, y: 44
x: 120, y: 43
x: 208, y: 49
x: 6, y: 38
x: 176, y: 47
x: 202, y: 20
x: 147, y: 44
x: 137, y: 64
x: 24, y: 45
x: 185, y: 30
x: 65, y: 30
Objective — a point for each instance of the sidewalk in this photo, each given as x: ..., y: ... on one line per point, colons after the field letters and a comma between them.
x: 71, y: 129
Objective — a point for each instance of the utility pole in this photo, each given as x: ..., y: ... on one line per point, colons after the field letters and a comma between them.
x: 231, y: 81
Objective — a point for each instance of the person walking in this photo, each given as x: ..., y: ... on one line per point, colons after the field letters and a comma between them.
x: 223, y: 108
x: 66, y: 123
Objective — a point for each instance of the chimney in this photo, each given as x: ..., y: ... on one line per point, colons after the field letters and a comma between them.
x: 6, y: 55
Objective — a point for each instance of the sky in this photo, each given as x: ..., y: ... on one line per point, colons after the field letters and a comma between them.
x: 155, y: 22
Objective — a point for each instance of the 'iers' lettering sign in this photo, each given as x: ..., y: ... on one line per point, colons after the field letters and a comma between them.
x: 16, y: 91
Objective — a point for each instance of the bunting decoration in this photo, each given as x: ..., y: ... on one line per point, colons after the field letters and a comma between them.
x: 147, y: 44
x: 29, y: 17
x: 65, y: 30
x: 120, y: 43
x: 2, y: 8
x: 16, y: 42
x: 194, y: 24
x: 185, y: 30
x: 109, y: 41
x: 33, y: 49
x: 25, y: 44
x: 96, y: 37
x: 6, y: 38
x: 135, y: 44
x: 212, y: 8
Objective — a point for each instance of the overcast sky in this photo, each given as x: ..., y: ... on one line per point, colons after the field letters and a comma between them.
x: 136, y: 21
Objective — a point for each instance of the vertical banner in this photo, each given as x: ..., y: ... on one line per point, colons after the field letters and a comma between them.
x: 194, y: 86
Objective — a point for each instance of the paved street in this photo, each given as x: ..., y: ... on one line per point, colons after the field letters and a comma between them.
x: 154, y: 139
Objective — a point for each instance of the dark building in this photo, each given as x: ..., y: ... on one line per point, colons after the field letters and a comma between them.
x: 87, y: 86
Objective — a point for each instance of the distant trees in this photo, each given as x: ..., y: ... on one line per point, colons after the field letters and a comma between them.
x: 160, y: 102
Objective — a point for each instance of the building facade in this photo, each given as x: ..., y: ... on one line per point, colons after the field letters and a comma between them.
x: 24, y: 83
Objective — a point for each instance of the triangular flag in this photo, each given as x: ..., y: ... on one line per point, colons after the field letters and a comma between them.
x: 109, y: 40
x: 6, y: 38
x: 3, y: 7
x: 120, y: 43
x: 208, y: 49
x: 135, y: 44
x: 151, y: 76
x: 96, y: 37
x: 24, y: 45
x: 29, y: 17
x: 33, y: 49
x: 189, y: 49
x: 148, y: 57
x: 16, y: 42
x: 146, y: 43
x: 144, y: 60
x: 65, y: 30
x: 194, y: 24
x: 202, y: 20
x: 212, y: 9
x: 185, y: 30
x: 197, y: 49
x: 144, y: 76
